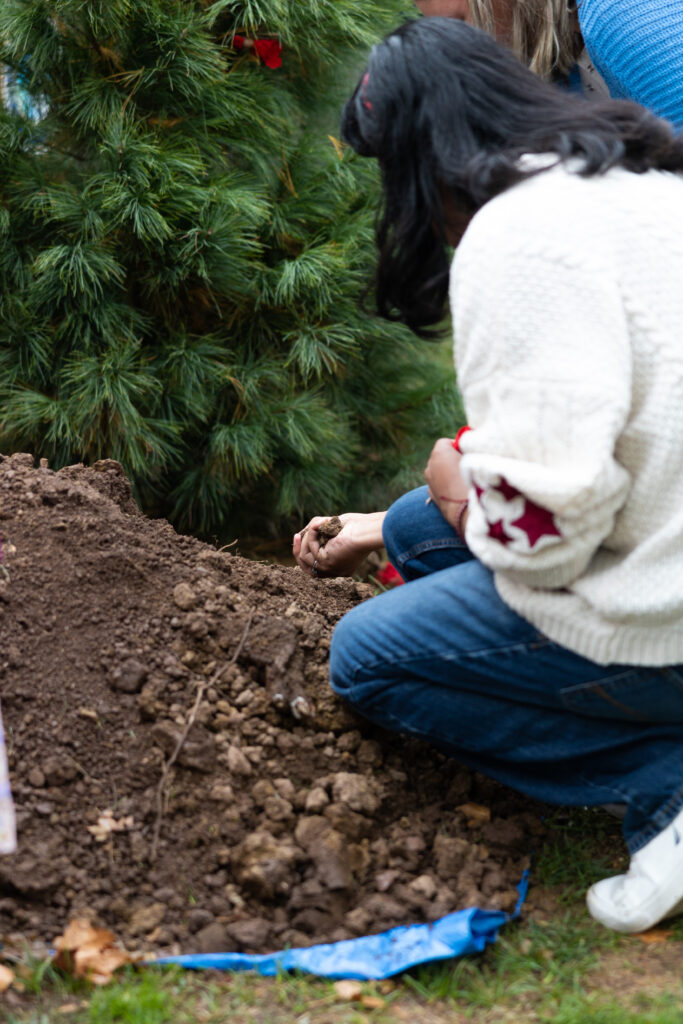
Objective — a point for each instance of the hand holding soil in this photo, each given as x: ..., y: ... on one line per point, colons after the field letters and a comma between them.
x: 337, y: 545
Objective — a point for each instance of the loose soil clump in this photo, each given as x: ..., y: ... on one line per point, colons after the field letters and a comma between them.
x: 181, y: 770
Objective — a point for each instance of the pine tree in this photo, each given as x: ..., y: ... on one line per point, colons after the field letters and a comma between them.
x: 183, y: 246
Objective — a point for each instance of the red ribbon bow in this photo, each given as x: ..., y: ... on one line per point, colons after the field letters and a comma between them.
x: 269, y: 50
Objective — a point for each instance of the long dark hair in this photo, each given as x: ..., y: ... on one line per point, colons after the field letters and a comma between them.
x: 442, y: 105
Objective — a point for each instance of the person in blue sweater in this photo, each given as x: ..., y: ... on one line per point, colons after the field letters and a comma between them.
x: 631, y: 49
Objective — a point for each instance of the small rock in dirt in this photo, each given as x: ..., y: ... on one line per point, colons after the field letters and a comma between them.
x: 330, y: 853
x: 262, y: 791
x: 32, y: 877
x: 385, y: 879
x: 316, y: 801
x: 358, y: 921
x: 349, y: 741
x: 407, y: 852
x: 354, y: 826
x: 385, y: 909
x: 213, y: 939
x: 222, y: 793
x: 450, y: 854
x: 36, y: 778
x: 146, y: 919
x: 359, y: 792
x: 251, y: 933
x: 129, y: 677
x: 285, y: 788
x: 198, y: 918
x: 493, y: 881
x: 369, y: 754
x: 198, y: 751
x: 278, y: 809
x: 237, y: 762
x: 59, y: 770
x: 265, y: 866
x: 424, y: 886
x: 184, y: 596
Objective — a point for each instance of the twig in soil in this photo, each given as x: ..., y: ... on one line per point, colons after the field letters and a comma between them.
x: 163, y: 781
x: 225, y: 547
x: 161, y: 788
x: 243, y: 640
x: 84, y: 773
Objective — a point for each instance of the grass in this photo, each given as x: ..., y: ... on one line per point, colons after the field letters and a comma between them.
x: 558, y: 966
x: 585, y: 845
x: 662, y: 1010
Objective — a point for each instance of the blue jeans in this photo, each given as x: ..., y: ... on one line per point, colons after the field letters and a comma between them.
x: 445, y: 659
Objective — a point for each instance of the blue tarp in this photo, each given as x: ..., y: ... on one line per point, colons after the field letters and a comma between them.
x: 372, y: 957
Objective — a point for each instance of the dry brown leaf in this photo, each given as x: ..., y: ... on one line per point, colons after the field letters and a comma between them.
x: 349, y: 991
x: 654, y: 935
x: 6, y: 978
x: 87, y: 952
x: 80, y: 932
x: 476, y: 814
x: 107, y: 823
x: 372, y: 1003
x: 68, y: 1008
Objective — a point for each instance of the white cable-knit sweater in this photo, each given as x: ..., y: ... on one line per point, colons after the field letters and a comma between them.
x: 567, y: 302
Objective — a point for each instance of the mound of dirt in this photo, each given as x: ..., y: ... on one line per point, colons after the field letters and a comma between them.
x: 182, y: 772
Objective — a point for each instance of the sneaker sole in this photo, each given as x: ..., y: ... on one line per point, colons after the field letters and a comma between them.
x: 648, y: 915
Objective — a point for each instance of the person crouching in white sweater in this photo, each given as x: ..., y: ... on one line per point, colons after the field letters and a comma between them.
x: 540, y: 636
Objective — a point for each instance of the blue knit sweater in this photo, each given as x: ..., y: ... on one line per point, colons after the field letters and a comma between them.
x: 637, y: 47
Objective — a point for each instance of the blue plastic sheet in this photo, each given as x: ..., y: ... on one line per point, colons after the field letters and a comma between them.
x: 372, y: 957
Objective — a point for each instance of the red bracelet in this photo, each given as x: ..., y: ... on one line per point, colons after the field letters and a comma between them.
x: 464, y: 504
x: 458, y: 437
x: 459, y: 529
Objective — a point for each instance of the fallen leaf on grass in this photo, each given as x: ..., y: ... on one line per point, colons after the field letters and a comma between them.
x: 6, y: 978
x: 654, y: 935
x: 87, y: 952
x: 476, y: 814
x: 107, y: 823
x: 349, y: 991
x: 372, y: 1003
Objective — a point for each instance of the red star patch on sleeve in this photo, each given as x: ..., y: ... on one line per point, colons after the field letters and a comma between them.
x: 507, y: 490
x: 497, y: 532
x: 536, y: 522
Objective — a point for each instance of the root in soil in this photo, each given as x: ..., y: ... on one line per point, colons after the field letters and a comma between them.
x: 181, y: 770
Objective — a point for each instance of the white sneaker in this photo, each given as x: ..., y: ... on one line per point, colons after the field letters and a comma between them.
x: 651, y: 890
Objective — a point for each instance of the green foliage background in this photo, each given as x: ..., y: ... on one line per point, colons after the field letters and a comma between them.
x: 183, y: 246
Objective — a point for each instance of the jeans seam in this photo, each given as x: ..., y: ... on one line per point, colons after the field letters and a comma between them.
x: 640, y: 839
x: 404, y: 663
x: 446, y: 543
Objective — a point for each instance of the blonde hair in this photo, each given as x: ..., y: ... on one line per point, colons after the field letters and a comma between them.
x: 544, y: 32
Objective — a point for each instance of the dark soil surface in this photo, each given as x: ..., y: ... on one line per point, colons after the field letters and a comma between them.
x: 277, y: 817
